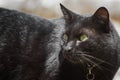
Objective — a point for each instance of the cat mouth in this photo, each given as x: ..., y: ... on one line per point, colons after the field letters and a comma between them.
x: 75, y: 58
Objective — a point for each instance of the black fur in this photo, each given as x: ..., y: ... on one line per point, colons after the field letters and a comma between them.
x: 24, y: 39
x: 103, y: 43
x: 31, y: 47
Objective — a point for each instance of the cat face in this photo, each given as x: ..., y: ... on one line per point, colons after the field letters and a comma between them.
x: 87, y: 39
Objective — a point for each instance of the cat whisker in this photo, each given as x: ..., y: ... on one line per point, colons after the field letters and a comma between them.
x: 85, y: 58
x: 102, y: 61
x: 89, y: 61
x: 96, y: 64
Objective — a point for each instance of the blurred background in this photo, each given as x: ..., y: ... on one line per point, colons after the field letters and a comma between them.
x: 51, y: 9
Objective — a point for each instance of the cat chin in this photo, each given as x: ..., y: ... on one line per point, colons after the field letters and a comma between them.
x: 80, y: 58
x: 73, y: 58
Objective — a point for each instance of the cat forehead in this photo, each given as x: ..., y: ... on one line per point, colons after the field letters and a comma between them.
x: 81, y: 30
x: 82, y: 25
x: 82, y: 22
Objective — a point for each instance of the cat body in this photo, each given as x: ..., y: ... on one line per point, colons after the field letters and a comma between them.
x: 74, y: 47
x: 25, y: 43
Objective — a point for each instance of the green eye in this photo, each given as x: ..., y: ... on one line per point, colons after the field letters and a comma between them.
x: 65, y: 37
x: 83, y: 37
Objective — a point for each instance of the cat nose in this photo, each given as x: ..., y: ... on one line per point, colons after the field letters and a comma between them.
x: 69, y: 46
x: 68, y: 49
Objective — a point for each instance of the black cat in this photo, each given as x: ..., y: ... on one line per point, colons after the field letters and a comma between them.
x: 91, y: 46
x: 33, y: 48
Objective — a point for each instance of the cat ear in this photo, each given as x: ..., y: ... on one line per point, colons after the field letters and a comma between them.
x: 68, y: 15
x: 102, y: 13
x: 102, y: 16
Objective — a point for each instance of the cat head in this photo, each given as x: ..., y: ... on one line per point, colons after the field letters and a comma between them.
x: 88, y: 39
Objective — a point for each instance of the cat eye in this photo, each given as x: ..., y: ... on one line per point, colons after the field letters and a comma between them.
x: 65, y: 37
x: 83, y: 37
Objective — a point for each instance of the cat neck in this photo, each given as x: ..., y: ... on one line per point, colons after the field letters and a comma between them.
x: 70, y: 71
